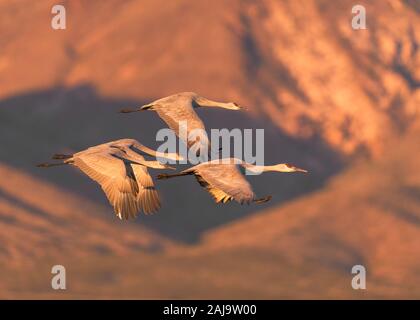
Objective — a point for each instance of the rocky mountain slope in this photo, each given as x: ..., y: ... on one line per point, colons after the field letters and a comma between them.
x: 298, y: 64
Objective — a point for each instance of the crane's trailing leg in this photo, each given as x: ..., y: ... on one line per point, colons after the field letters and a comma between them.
x: 127, y: 110
x: 145, y: 107
x: 47, y: 165
x: 67, y: 159
x: 167, y: 176
x: 58, y: 156
x: 263, y: 200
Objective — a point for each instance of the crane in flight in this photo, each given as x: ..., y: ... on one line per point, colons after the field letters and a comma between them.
x: 224, y: 178
x: 178, y: 111
x: 122, y: 172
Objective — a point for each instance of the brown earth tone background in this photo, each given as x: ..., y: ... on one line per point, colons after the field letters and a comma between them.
x: 342, y: 103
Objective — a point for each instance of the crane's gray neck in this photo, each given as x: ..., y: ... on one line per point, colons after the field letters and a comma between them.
x: 144, y: 149
x: 157, y: 154
x: 257, y: 169
x: 204, y: 102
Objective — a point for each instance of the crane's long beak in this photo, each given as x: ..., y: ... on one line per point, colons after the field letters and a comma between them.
x: 233, y: 106
x: 300, y: 170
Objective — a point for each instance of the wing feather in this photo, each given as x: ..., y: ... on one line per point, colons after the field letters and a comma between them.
x: 224, y: 182
x: 116, y: 179
x: 147, y: 197
x: 181, y: 115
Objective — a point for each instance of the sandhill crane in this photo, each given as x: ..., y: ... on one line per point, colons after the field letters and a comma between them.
x: 178, y: 112
x: 122, y: 174
x: 224, y: 178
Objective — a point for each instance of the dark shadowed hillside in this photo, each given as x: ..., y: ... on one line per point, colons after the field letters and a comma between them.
x: 367, y: 215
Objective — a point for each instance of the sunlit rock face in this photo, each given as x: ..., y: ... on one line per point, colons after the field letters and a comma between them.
x: 355, y: 88
x: 298, y: 64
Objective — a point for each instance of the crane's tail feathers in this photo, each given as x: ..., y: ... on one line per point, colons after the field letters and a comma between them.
x: 263, y: 200
x: 58, y: 156
x: 167, y: 176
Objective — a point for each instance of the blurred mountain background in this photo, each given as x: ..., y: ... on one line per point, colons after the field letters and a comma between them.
x: 342, y: 103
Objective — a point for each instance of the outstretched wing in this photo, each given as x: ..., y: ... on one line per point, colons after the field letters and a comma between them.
x: 224, y: 182
x: 116, y: 178
x: 184, y: 121
x: 147, y: 197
